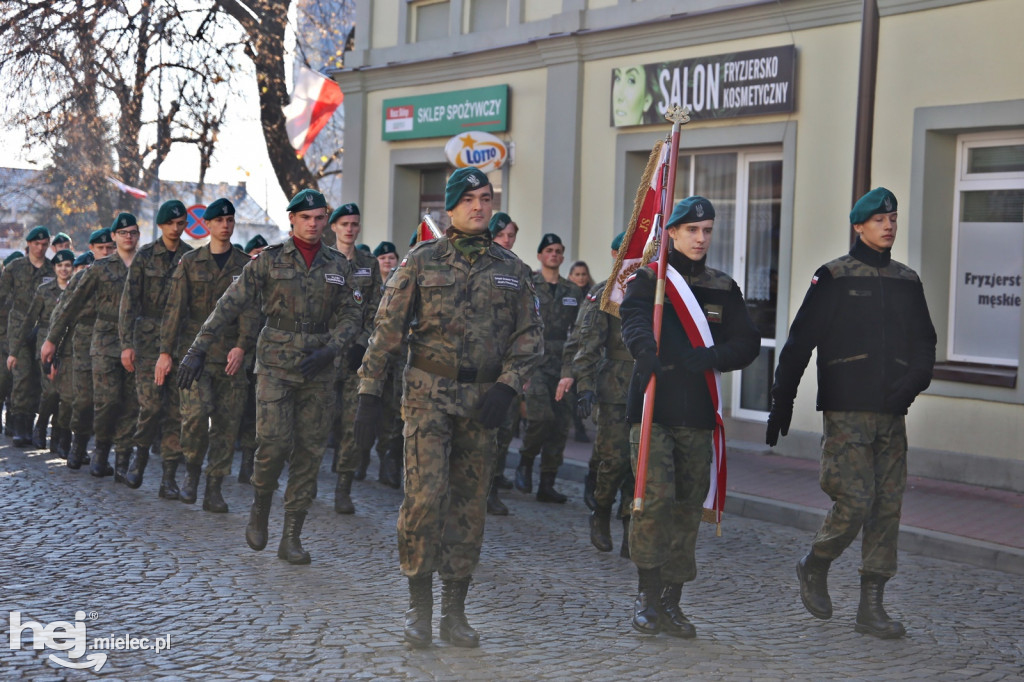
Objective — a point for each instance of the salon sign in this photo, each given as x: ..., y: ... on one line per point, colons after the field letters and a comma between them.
x: 483, y: 150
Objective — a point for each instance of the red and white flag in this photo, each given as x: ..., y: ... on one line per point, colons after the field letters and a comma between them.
x: 314, y: 98
x: 128, y: 189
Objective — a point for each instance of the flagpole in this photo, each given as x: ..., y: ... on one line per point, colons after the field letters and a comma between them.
x: 432, y: 226
x: 678, y: 115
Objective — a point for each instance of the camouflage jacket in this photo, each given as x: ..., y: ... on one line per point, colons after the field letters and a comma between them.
x: 366, y: 290
x: 38, y: 316
x: 277, y: 285
x: 79, y: 336
x: 602, y: 362
x: 145, y: 296
x: 479, y: 323
x: 196, y: 286
x: 103, y: 282
x: 18, y: 284
x: 559, y: 307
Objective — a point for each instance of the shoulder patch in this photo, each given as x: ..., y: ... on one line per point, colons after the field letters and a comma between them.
x: 507, y: 282
x: 814, y: 280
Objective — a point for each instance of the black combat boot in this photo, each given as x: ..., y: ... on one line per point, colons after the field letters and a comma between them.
x: 647, y: 607
x: 39, y: 432
x: 390, y: 473
x: 343, y: 494
x: 600, y: 529
x: 495, y: 507
x: 421, y: 610
x: 22, y: 430
x: 624, y: 549
x: 168, y: 484
x: 100, y: 466
x: 189, y: 491
x: 64, y: 443
x: 455, y: 629
x: 259, y: 514
x: 245, y: 469
x: 290, y: 548
x: 524, y: 474
x: 673, y: 622
x: 589, y: 487
x: 871, y: 616
x: 546, y: 490
x: 812, y: 572
x: 137, y: 467
x: 121, y: 459
x: 79, y: 443
x: 364, y: 462
x: 213, y: 500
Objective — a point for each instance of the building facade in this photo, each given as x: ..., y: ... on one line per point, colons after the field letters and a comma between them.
x: 576, y: 90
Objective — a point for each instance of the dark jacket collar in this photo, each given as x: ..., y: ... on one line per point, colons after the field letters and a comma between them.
x: 865, y: 254
x: 684, y: 266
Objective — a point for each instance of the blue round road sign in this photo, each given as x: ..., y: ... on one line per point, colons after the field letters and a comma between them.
x: 196, y: 227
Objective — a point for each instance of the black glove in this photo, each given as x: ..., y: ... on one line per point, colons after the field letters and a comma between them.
x: 646, y: 365
x: 315, y: 361
x: 698, y: 359
x: 899, y: 396
x: 47, y: 366
x: 367, y: 416
x: 354, y: 356
x: 778, y: 422
x: 191, y: 367
x: 493, y: 405
x: 585, y: 404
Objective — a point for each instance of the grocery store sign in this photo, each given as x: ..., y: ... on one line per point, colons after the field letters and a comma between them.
x: 445, y: 113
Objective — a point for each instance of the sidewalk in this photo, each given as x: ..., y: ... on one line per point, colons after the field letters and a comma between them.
x: 979, y: 526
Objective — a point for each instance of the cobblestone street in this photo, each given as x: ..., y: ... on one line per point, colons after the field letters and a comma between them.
x: 548, y: 606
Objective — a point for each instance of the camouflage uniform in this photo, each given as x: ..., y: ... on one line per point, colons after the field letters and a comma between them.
x: 6, y: 379
x: 305, y: 310
x: 212, y: 408
x: 18, y: 284
x: 142, y: 308
x: 79, y: 338
x: 475, y: 322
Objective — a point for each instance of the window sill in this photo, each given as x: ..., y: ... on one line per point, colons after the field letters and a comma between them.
x: 968, y: 373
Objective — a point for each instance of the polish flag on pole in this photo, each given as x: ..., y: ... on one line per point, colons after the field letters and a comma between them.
x: 314, y: 99
x: 127, y: 189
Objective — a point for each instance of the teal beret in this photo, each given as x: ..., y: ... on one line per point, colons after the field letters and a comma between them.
x: 547, y: 240
x: 255, y: 243
x: 15, y: 255
x: 122, y: 221
x: 415, y: 234
x: 342, y: 211
x: 60, y: 238
x: 170, y: 210
x: 691, y: 210
x: 363, y: 247
x: 307, y: 200
x: 38, y: 232
x: 461, y: 181
x: 218, y: 209
x: 617, y: 242
x: 878, y: 200
x: 385, y: 248
x: 499, y: 221
x: 85, y: 259
x: 64, y: 255
x: 101, y: 236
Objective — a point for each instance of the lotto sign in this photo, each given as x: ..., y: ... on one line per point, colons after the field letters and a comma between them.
x: 196, y: 227
x: 483, y: 150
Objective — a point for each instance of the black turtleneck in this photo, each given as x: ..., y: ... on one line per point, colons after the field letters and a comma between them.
x: 865, y: 254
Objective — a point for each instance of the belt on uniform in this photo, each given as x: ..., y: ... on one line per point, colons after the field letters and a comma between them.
x: 466, y: 375
x: 289, y: 324
x: 107, y: 317
x: 619, y: 354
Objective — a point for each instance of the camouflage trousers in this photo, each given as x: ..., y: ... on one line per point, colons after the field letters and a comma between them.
x: 505, y: 434
x: 247, y: 429
x: 49, y: 398
x: 547, y: 422
x: 664, y: 534
x: 349, y: 454
x: 27, y: 387
x: 612, y: 457
x: 389, y: 430
x: 448, y: 470
x: 864, y: 471
x: 210, y: 414
x: 158, y: 409
x: 64, y: 384
x: 293, y: 419
x: 6, y: 380
x: 81, y: 402
x: 116, y: 404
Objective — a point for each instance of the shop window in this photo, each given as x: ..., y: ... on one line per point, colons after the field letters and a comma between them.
x: 432, y: 183
x: 485, y: 15
x: 428, y: 20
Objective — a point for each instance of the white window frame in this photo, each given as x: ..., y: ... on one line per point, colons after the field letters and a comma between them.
x: 967, y: 182
x: 414, y: 7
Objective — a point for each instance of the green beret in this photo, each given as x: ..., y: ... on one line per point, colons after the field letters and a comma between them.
x: 385, y: 248
x: 363, y: 247
x: 38, y: 232
x: 218, y: 209
x: 101, y: 236
x: 547, y: 240
x: 499, y: 221
x: 691, y: 210
x: 461, y: 181
x: 878, y: 200
x: 343, y: 210
x: 170, y: 210
x: 85, y: 259
x: 415, y: 234
x: 122, y: 221
x: 60, y: 238
x: 255, y: 243
x: 15, y: 255
x: 64, y: 255
x: 617, y: 242
x: 307, y: 200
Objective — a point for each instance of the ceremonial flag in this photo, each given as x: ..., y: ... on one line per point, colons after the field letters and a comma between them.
x: 314, y: 99
x: 128, y: 189
x: 637, y: 244
x: 427, y: 229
